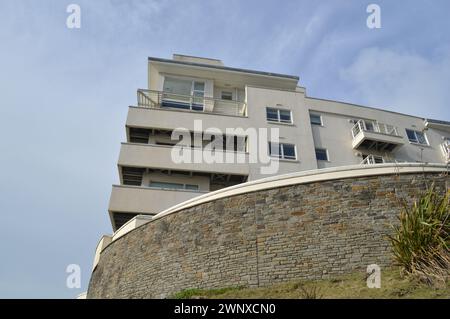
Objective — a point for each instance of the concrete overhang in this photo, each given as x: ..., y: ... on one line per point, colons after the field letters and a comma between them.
x: 223, y: 75
x: 438, y: 125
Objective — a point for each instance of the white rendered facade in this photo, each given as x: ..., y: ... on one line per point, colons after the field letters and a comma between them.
x: 314, y: 133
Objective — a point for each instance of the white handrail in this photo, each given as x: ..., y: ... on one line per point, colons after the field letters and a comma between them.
x: 371, y: 159
x: 155, y: 99
x: 382, y: 128
x: 446, y: 150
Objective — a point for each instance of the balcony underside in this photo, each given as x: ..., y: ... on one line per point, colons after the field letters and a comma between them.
x: 377, y: 146
x: 134, y: 176
x: 129, y: 201
x: 376, y: 141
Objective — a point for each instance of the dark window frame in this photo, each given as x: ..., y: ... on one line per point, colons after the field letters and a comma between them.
x: 281, y: 151
x: 311, y: 115
x: 324, y: 151
x: 278, y: 118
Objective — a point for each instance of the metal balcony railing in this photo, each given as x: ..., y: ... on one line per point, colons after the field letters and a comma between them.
x: 372, y: 159
x: 160, y: 99
x: 445, y: 146
x: 374, y: 127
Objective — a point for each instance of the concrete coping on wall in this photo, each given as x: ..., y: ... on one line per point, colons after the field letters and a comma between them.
x: 133, y: 223
x: 303, y: 177
x: 106, y: 240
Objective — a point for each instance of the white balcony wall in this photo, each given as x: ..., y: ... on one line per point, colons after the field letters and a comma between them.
x: 171, y: 119
x: 160, y: 157
x: 146, y: 200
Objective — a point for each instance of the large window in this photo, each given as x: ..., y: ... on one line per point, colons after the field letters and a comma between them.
x: 177, y: 86
x: 315, y: 119
x: 166, y: 185
x: 321, y: 154
x: 282, y: 150
x: 416, y: 137
x: 278, y: 115
x: 183, y: 94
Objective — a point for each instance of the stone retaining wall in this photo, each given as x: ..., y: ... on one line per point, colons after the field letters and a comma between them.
x: 303, y: 231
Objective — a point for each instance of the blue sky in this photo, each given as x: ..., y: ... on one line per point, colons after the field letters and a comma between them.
x: 65, y: 92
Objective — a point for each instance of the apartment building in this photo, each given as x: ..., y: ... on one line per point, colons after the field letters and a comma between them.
x: 313, y: 133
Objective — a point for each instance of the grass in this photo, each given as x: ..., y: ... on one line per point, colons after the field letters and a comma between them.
x: 393, y: 286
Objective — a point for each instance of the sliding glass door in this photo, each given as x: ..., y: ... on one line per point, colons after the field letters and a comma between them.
x: 183, y: 94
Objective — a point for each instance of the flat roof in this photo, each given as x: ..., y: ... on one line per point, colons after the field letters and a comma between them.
x: 225, y: 68
x: 438, y: 122
x: 365, y: 106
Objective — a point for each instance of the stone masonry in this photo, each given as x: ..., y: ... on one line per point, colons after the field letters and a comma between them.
x: 306, y: 231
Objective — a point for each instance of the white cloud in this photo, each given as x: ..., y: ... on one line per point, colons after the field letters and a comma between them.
x: 401, y: 81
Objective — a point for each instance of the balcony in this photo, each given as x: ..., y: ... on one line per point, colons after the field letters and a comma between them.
x: 160, y: 157
x: 372, y: 159
x: 166, y: 118
x: 371, y: 135
x: 445, y: 147
x: 132, y: 200
x: 190, y: 103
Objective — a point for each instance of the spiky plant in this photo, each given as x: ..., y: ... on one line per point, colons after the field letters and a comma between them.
x: 420, y: 242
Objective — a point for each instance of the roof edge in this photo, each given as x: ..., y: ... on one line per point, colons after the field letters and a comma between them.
x: 226, y: 68
x: 440, y: 122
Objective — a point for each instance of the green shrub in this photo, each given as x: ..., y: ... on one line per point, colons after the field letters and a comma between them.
x: 420, y: 242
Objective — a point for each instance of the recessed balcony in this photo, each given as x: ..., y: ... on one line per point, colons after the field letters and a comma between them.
x: 190, y: 103
x: 371, y: 135
x: 160, y: 157
x: 129, y: 201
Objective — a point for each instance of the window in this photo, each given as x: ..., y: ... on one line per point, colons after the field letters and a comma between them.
x: 198, y: 93
x: 173, y: 185
x: 369, y: 126
x: 282, y: 150
x: 272, y: 114
x: 177, y: 86
x: 183, y: 94
x: 416, y: 137
x: 315, y: 119
x: 191, y: 187
x: 321, y: 154
x: 278, y: 115
x: 227, y: 95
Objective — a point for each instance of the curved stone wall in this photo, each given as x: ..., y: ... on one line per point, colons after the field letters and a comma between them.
x: 300, y: 231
